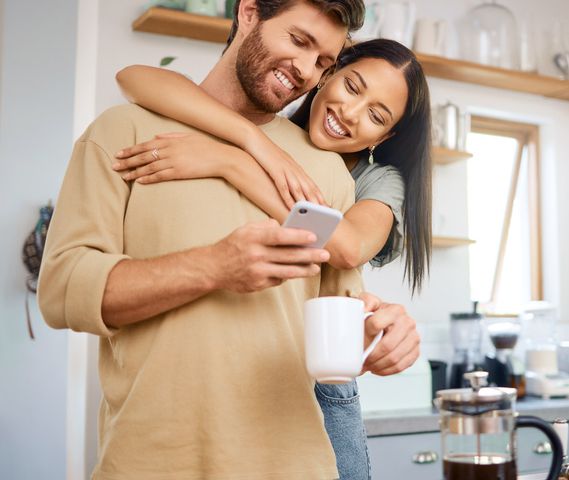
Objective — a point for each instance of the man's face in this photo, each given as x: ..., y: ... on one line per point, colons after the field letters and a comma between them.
x: 285, y: 56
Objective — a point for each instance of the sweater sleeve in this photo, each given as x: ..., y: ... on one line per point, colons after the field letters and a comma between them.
x: 84, y: 241
x: 385, y: 184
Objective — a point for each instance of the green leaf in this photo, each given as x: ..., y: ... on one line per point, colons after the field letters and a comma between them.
x: 167, y: 61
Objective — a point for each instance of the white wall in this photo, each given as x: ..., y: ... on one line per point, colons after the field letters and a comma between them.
x: 36, y: 108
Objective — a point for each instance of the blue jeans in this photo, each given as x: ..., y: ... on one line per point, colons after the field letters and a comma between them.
x: 343, y: 420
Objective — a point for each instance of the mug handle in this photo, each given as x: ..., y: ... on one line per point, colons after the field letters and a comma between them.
x: 551, y: 434
x: 373, y: 343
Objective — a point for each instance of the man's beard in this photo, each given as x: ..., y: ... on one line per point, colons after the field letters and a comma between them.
x: 252, y: 65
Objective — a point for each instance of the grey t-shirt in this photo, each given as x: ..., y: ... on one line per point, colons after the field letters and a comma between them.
x: 384, y: 184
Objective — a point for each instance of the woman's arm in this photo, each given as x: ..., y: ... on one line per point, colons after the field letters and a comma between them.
x: 360, y: 235
x: 176, y: 96
x: 178, y: 160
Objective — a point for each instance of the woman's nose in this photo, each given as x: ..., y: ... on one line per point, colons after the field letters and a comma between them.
x: 350, y: 112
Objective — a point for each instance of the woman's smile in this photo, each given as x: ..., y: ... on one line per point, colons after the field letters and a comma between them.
x: 334, y: 127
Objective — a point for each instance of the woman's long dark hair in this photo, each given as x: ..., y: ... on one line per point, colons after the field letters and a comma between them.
x: 408, y: 149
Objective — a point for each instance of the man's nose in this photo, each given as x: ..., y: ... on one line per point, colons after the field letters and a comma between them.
x: 305, y: 68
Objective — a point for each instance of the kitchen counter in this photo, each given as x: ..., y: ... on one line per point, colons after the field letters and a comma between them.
x: 397, y: 422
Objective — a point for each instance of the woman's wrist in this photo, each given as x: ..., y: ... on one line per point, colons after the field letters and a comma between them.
x: 254, y: 140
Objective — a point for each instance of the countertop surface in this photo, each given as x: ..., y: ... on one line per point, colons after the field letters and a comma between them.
x: 397, y: 422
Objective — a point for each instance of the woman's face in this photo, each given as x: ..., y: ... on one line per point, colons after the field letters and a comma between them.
x: 357, y: 106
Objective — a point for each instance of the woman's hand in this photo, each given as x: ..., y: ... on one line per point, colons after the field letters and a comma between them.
x: 171, y: 156
x: 292, y: 182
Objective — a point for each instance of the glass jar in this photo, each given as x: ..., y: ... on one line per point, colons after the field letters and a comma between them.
x: 489, y: 35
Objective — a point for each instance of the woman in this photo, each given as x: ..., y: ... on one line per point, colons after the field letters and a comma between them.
x: 374, y: 111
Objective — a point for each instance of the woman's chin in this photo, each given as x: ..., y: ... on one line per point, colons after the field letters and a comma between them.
x: 323, y: 141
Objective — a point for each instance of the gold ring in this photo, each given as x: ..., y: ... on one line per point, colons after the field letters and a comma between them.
x: 155, y: 154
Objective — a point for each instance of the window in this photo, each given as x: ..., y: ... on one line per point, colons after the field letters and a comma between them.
x: 503, y: 214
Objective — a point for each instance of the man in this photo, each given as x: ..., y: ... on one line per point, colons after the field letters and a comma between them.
x: 201, y: 364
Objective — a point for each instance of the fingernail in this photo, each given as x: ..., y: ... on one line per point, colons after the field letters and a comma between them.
x: 126, y: 176
x: 116, y: 166
x: 311, y: 237
x: 324, y: 256
x: 119, y: 153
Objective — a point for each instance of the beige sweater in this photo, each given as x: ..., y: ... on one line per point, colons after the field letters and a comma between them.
x: 216, y: 389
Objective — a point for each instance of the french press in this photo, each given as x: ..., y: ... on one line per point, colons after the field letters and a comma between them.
x: 478, y: 430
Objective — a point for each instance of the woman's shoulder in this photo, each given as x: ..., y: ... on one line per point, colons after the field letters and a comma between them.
x: 376, y: 173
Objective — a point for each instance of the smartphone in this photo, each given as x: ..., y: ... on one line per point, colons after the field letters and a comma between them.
x: 318, y: 219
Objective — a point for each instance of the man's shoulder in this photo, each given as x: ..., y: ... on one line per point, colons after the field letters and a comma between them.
x: 298, y: 138
x: 125, y: 114
x: 127, y: 123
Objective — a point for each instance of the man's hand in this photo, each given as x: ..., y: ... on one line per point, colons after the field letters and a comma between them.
x: 399, y: 347
x: 261, y: 255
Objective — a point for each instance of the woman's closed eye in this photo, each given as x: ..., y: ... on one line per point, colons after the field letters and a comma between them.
x: 376, y: 117
x: 351, y: 86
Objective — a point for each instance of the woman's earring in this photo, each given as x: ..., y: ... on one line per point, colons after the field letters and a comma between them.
x: 371, y: 149
x: 319, y: 86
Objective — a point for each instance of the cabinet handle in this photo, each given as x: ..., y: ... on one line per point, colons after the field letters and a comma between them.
x: 424, y: 458
x: 543, y: 448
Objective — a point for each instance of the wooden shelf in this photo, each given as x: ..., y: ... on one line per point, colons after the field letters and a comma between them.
x: 215, y: 29
x: 469, y: 72
x: 444, y: 156
x: 178, y: 23
x: 448, y: 242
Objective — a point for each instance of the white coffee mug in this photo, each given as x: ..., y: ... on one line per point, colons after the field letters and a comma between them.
x: 334, y: 338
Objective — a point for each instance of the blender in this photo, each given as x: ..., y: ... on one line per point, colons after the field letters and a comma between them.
x: 478, y: 432
x: 466, y: 334
x: 504, y: 368
x: 543, y: 378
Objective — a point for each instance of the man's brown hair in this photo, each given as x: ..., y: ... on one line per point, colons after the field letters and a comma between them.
x: 349, y: 13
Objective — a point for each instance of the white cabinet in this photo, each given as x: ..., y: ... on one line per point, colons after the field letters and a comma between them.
x: 397, y: 457
x: 418, y: 455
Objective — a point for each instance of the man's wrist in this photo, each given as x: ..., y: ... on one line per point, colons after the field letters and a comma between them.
x: 210, y: 267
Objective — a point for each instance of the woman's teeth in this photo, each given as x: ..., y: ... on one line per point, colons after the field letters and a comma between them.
x: 334, y: 125
x: 282, y: 78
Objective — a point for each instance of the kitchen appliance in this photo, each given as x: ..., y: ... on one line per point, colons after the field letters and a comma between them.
x: 489, y: 35
x: 438, y: 376
x: 410, y: 389
x: 466, y: 334
x: 543, y: 377
x: 478, y: 428
x: 561, y: 61
x: 430, y: 36
x: 396, y: 21
x: 504, y: 368
x: 450, y: 126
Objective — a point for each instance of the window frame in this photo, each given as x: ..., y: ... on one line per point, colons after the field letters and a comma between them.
x: 527, y: 136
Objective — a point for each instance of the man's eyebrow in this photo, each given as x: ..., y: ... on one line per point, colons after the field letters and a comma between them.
x: 382, y: 105
x: 313, y: 41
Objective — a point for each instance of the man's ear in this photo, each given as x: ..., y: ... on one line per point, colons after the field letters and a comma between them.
x: 247, y: 16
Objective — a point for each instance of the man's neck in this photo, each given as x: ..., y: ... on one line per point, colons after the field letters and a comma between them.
x: 222, y: 84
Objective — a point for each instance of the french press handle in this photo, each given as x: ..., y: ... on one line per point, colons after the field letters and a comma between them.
x: 524, y: 421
